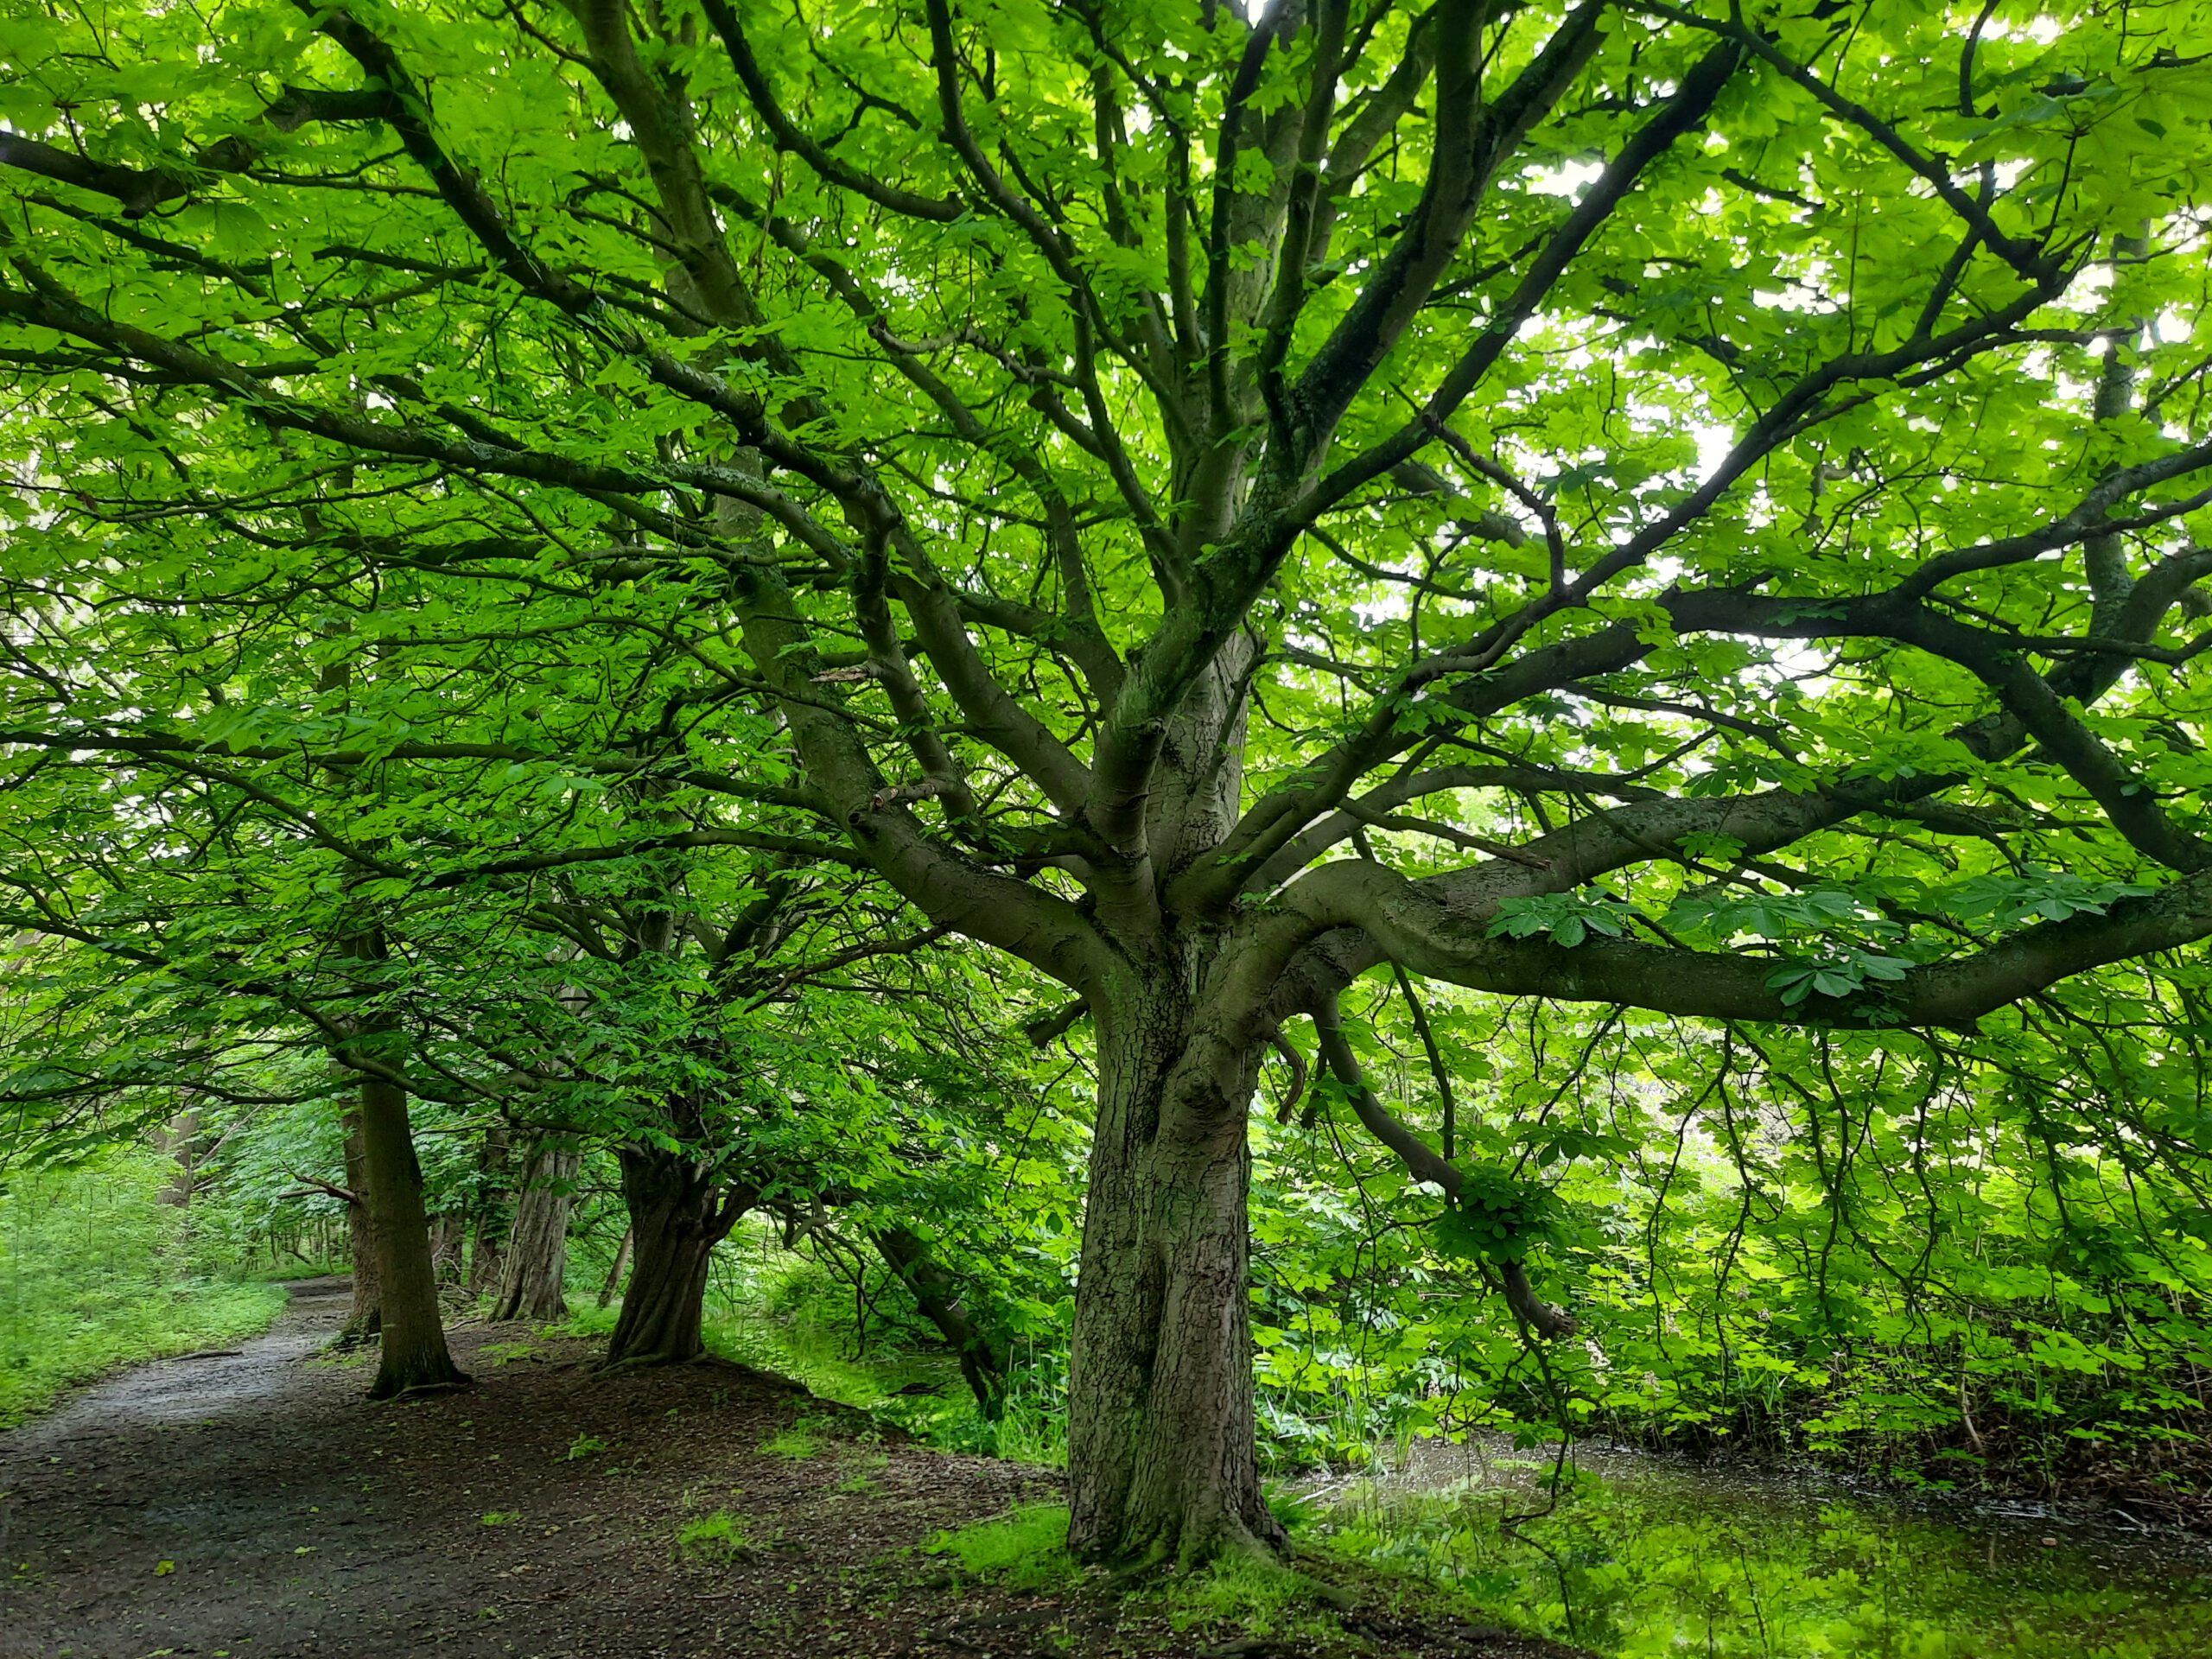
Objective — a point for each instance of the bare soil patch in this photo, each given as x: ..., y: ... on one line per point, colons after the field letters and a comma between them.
x: 251, y: 1505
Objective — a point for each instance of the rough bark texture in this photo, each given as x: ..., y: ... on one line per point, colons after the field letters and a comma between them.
x: 1161, y: 1457
x: 538, y: 1246
x: 365, y: 1318
x: 938, y: 1293
x: 1297, y: 372
x: 414, y: 1349
x: 678, y: 1212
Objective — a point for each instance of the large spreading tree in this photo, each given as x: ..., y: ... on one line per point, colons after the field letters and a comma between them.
x: 1632, y: 502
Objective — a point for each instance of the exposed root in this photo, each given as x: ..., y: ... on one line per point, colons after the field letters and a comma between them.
x: 1227, y: 1540
x: 457, y: 1383
x: 631, y: 1363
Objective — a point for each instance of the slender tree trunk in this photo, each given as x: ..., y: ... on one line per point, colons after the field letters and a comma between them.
x: 449, y: 1243
x: 1162, y: 1463
x: 614, y: 1273
x: 487, y: 1262
x: 178, y: 1138
x: 678, y: 1213
x: 414, y: 1349
x: 411, y: 1348
x: 489, y: 1214
x: 537, y: 1247
x: 365, y: 1318
x: 939, y: 1296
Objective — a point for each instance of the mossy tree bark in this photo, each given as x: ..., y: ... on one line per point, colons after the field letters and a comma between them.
x: 1161, y: 1456
x: 489, y: 1215
x: 180, y: 1137
x: 616, y: 1269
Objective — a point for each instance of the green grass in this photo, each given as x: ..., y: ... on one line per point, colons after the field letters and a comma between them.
x: 1027, y: 1548
x: 336, y: 1266
x: 860, y: 1471
x: 1258, y: 1598
x: 1026, y: 1551
x: 720, y: 1537
x: 583, y: 1321
x: 798, y: 1444
x: 805, y: 1340
x: 96, y: 1275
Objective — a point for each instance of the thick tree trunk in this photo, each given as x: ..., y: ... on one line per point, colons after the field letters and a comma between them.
x: 537, y: 1247
x: 678, y: 1213
x: 414, y: 1351
x: 614, y: 1273
x: 365, y: 1318
x: 939, y: 1296
x: 1162, y: 1463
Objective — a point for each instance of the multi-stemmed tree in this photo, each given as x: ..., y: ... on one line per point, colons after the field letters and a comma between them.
x: 1618, y: 502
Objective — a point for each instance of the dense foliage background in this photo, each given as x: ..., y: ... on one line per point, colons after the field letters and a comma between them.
x: 1889, y: 1260
x: 1520, y: 689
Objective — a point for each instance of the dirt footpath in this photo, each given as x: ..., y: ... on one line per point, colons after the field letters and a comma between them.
x: 253, y: 1506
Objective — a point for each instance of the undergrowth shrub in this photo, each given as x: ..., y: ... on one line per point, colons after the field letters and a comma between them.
x: 95, y: 1272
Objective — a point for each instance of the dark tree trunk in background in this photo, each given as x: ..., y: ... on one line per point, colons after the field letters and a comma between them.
x: 1161, y: 1458
x: 938, y: 1293
x: 414, y: 1349
x: 449, y: 1239
x: 488, y: 1216
x: 538, y: 1245
x: 365, y: 1318
x: 614, y: 1273
x: 486, y: 1262
x: 678, y: 1212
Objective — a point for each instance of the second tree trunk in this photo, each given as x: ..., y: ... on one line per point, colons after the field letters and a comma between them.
x: 936, y: 1293
x: 366, y: 1317
x: 538, y: 1246
x: 413, y: 1354
x: 678, y: 1212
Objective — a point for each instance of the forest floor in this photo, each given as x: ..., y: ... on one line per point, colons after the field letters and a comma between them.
x: 250, y: 1504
